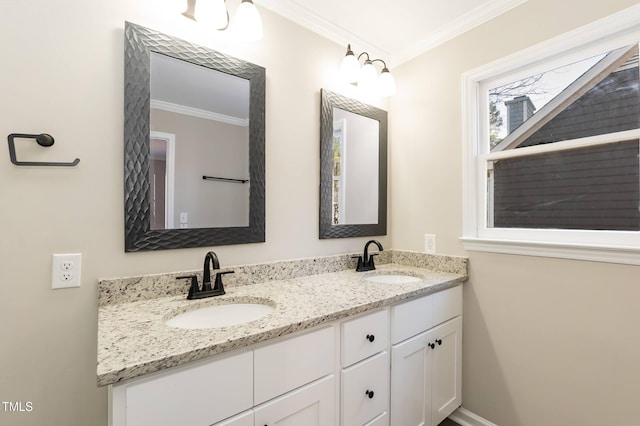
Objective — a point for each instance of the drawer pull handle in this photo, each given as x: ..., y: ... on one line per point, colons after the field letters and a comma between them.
x: 369, y: 393
x: 439, y: 341
x: 371, y: 337
x: 431, y: 345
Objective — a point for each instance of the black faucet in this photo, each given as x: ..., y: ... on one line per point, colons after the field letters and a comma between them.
x: 365, y: 263
x: 210, y: 259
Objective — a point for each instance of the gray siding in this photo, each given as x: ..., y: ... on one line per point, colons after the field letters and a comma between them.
x: 593, y: 188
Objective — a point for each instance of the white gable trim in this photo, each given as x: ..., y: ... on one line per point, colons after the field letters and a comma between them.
x: 575, y: 90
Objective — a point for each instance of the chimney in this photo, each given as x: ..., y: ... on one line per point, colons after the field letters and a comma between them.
x: 519, y: 110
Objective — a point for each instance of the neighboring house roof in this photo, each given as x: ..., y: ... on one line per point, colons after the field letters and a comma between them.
x: 604, y: 99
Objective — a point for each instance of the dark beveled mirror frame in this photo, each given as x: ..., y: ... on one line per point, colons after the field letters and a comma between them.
x: 139, y: 43
x: 328, y: 101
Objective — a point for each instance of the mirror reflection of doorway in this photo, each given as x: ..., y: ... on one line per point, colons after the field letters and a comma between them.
x: 161, y: 180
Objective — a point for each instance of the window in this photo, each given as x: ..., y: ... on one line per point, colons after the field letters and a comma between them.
x: 552, y: 148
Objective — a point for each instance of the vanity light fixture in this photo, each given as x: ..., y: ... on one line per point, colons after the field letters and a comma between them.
x: 367, y: 75
x: 247, y: 23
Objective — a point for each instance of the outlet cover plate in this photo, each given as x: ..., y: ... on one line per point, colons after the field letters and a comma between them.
x: 65, y: 270
x: 430, y: 243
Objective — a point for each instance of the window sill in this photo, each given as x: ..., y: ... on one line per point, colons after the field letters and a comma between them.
x: 594, y: 253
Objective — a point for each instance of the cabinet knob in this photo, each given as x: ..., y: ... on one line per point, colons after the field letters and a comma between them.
x: 439, y: 341
x: 369, y: 393
x: 431, y: 345
x: 371, y: 337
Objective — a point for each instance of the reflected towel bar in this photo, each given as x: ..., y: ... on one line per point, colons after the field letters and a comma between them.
x: 225, y: 179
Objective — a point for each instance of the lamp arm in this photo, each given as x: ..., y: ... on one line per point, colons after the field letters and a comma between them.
x: 380, y: 60
x: 363, y: 53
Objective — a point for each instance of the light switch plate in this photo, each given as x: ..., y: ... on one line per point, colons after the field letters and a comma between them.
x: 65, y: 270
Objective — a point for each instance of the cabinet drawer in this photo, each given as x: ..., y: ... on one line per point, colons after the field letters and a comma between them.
x: 411, y: 318
x: 447, y: 304
x: 199, y: 395
x: 283, y: 366
x: 418, y: 315
x: 364, y: 336
x: 365, y: 390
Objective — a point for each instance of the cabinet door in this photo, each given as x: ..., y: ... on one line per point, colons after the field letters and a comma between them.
x: 310, y: 405
x: 447, y: 366
x: 411, y: 363
x: 381, y: 420
x: 365, y: 390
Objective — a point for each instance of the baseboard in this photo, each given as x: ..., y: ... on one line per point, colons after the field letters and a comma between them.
x: 466, y: 418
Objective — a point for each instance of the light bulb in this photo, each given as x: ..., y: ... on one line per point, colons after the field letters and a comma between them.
x: 350, y: 67
x: 213, y: 13
x: 368, y: 76
x: 386, y: 83
x: 247, y: 22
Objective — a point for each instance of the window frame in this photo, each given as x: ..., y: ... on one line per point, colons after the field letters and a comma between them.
x: 606, y: 34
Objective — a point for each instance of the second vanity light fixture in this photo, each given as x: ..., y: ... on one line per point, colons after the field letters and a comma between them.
x: 367, y: 76
x: 247, y: 23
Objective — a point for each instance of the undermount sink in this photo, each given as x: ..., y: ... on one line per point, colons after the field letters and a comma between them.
x: 223, y: 315
x: 392, y: 278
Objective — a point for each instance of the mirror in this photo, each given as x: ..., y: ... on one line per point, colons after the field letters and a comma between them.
x: 194, y: 145
x: 353, y: 168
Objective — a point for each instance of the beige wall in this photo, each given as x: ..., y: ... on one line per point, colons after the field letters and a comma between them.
x: 62, y: 73
x: 546, y: 341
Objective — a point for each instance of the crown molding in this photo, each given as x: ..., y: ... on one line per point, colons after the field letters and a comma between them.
x: 473, y: 18
x: 313, y: 22
x: 200, y: 113
x: 319, y: 25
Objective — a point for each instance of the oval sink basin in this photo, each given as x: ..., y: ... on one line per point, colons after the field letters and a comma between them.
x: 220, y: 316
x: 392, y: 279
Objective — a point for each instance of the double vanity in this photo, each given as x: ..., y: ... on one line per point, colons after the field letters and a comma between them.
x: 326, y: 345
x: 323, y: 341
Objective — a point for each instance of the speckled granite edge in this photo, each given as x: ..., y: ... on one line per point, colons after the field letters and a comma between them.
x: 434, y: 262
x: 131, y: 289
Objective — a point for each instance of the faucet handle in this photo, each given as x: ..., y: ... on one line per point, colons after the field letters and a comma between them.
x: 371, y: 264
x: 218, y: 286
x: 195, y: 288
x: 359, y: 266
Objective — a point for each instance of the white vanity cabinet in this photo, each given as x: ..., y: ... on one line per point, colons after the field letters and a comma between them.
x: 279, y: 383
x: 398, y: 366
x: 426, y: 358
x: 365, y: 374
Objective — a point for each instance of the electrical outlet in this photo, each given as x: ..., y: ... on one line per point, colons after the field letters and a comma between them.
x: 65, y: 270
x: 430, y: 243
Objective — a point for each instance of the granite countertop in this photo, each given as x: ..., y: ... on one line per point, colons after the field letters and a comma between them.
x: 134, y: 340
